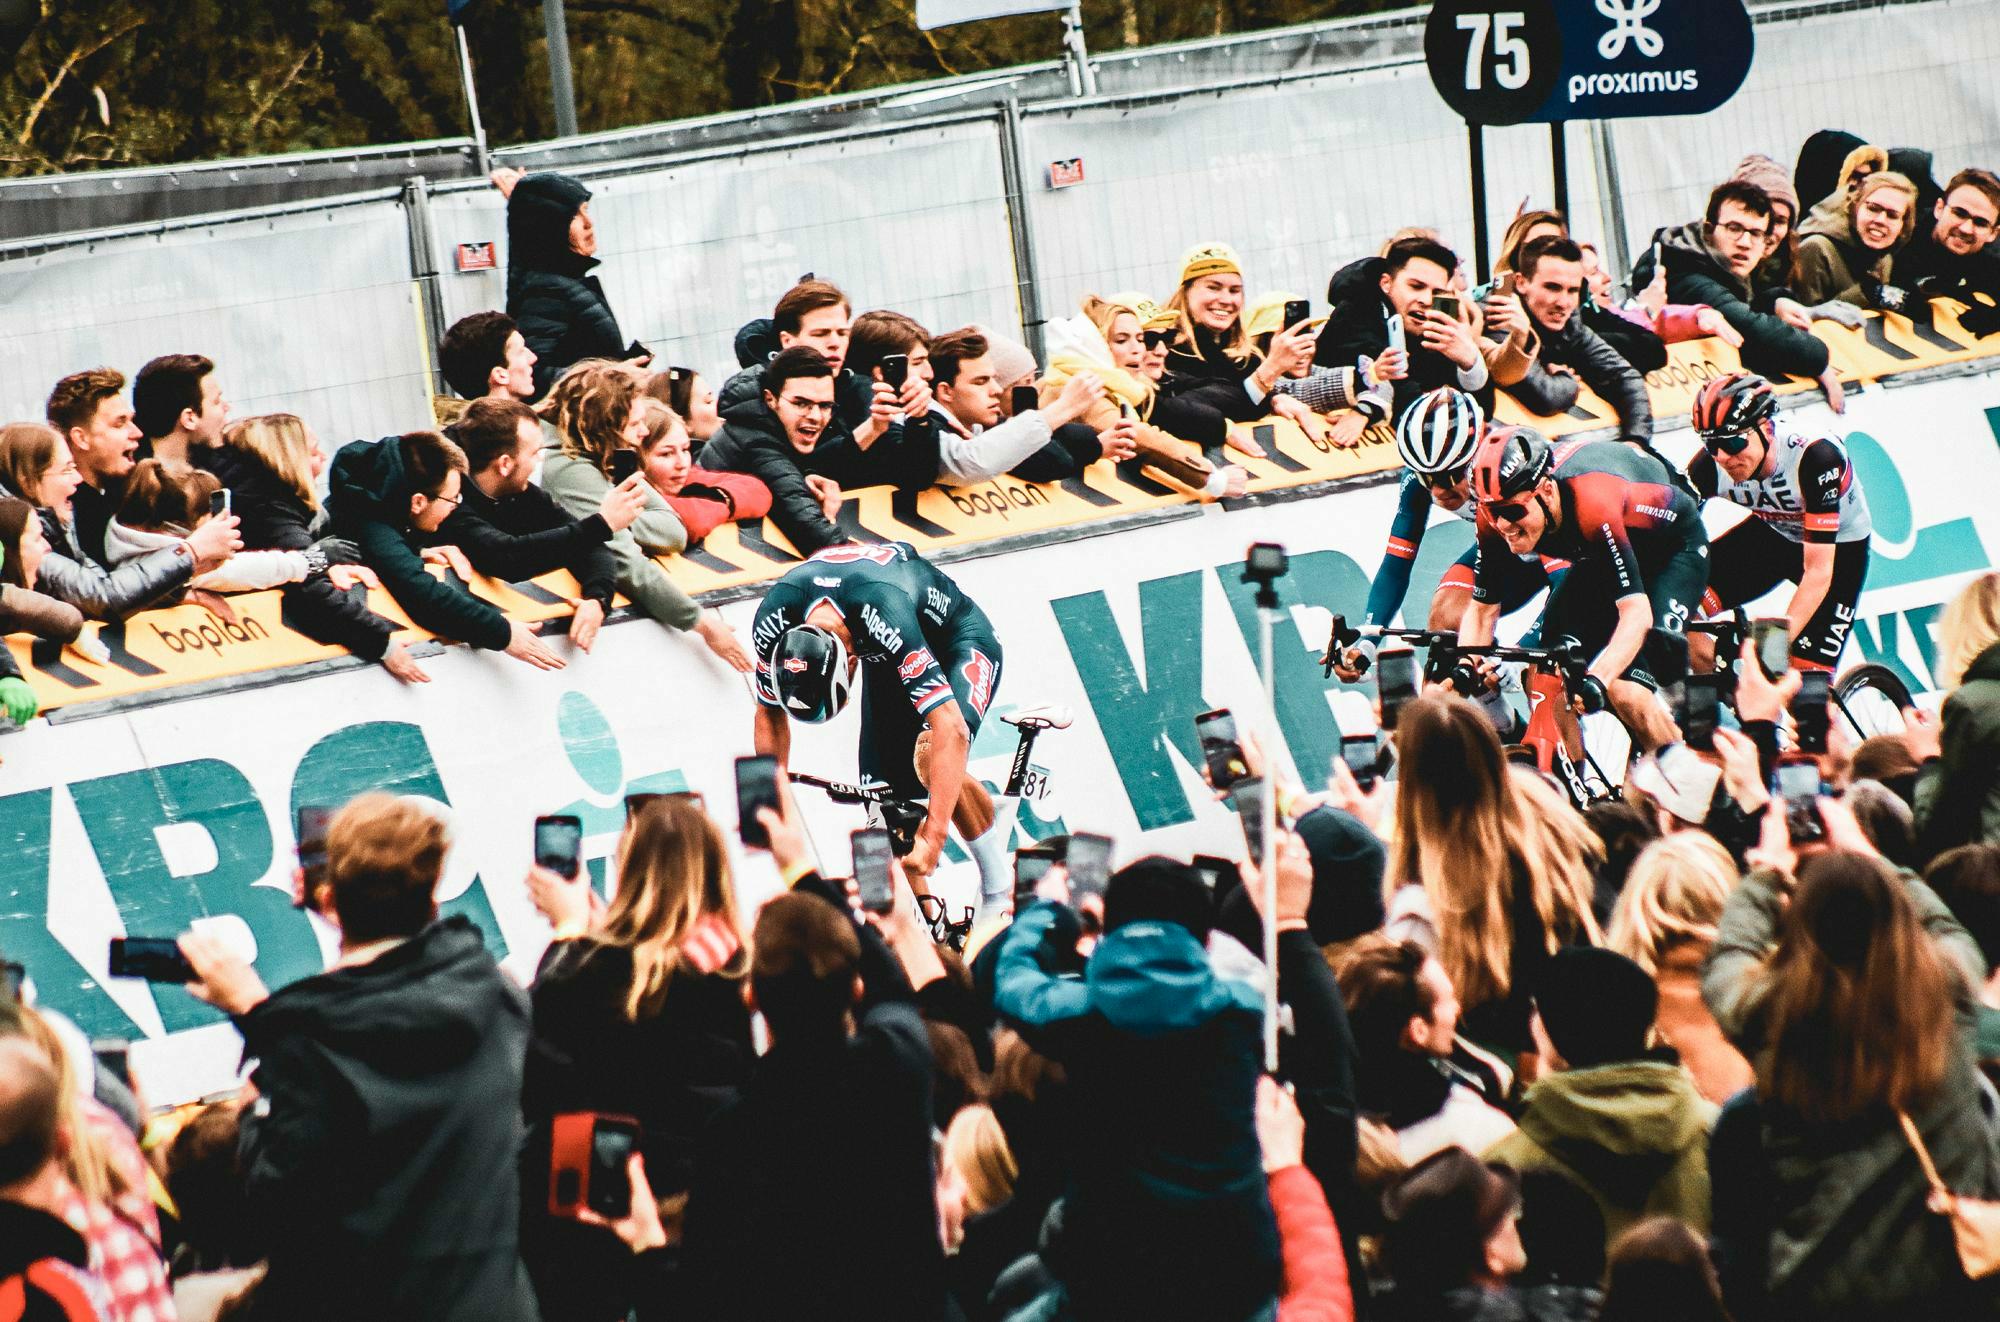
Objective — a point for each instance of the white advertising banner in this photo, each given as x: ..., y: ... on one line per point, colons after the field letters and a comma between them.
x: 144, y: 822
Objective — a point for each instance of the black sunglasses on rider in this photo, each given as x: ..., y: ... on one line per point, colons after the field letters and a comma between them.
x: 1446, y: 480
x: 1510, y: 511
x: 1727, y: 442
x: 1154, y: 339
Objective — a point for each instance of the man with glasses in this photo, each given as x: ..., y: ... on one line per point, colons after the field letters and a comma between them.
x: 1952, y: 257
x: 1714, y: 260
x: 389, y: 497
x: 1638, y: 564
x: 778, y: 437
x: 1808, y: 521
x: 1436, y: 438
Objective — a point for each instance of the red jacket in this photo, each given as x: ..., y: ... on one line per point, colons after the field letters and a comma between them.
x: 711, y: 499
x: 1316, y: 1285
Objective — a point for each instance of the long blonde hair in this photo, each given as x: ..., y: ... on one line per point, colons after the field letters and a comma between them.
x: 284, y: 444
x: 673, y: 871
x: 1465, y: 827
x: 976, y: 1146
x: 1970, y: 624
x: 1673, y: 895
x: 87, y: 1165
x: 1235, y: 345
x: 589, y: 407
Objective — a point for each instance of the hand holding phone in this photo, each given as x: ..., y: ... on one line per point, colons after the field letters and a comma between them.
x: 1031, y: 864
x: 153, y: 958
x: 1397, y: 339
x: 218, y: 503
x: 1396, y: 681
x: 624, y: 464
x: 589, y: 1156
x: 1772, y: 639
x: 1089, y: 865
x: 1297, y: 310
x: 1809, y: 713
x: 1798, y: 784
x: 873, y: 876
x: 1221, y: 750
x: 895, y: 369
x: 756, y: 787
x: 1446, y: 306
x: 1700, y: 703
x: 1363, y: 755
x: 559, y: 845
x: 1023, y: 399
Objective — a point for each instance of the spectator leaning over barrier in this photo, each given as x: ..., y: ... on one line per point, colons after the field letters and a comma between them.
x: 1849, y: 256
x: 389, y: 497
x: 163, y: 502
x: 1781, y: 247
x: 89, y: 410
x: 271, y: 464
x: 1137, y: 334
x: 485, y: 356
x: 1951, y: 255
x: 177, y: 404
x: 1212, y: 358
x: 1166, y: 1215
x: 35, y: 463
x: 1649, y: 310
x: 44, y: 1266
x: 1568, y: 354
x: 23, y: 547
x: 1622, y: 1123
x: 978, y: 440
x: 688, y: 393
x: 826, y: 1155
x: 772, y: 437
x: 593, y: 411
x: 1958, y: 783
x: 905, y: 453
x: 512, y: 530
x: 703, y: 499
x: 638, y: 1011
x: 1403, y: 284
x: 556, y: 302
x: 1713, y: 260
x: 1636, y: 339
x: 378, y: 1154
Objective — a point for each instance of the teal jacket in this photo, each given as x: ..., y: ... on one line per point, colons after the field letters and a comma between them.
x: 369, y: 498
x: 1166, y: 1215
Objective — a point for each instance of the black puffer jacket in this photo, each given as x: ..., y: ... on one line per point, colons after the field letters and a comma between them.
x: 559, y: 306
x: 1696, y: 275
x: 274, y: 518
x: 753, y: 441
x: 1360, y: 325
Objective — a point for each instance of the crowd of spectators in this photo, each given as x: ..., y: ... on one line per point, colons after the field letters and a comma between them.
x: 1655, y: 1061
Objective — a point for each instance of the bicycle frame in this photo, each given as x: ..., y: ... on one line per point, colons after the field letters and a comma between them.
x: 1547, y: 695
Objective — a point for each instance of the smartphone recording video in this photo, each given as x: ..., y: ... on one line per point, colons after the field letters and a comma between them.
x: 1221, y: 751
x: 1809, y: 713
x: 1772, y: 641
x: 1363, y: 755
x: 1700, y: 704
x: 153, y: 958
x: 559, y: 845
x: 1395, y: 681
x: 1089, y: 864
x: 624, y: 463
x: 756, y: 787
x: 1799, y: 787
x: 872, y: 876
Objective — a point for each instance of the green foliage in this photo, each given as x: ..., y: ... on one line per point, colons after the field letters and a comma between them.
x: 98, y: 83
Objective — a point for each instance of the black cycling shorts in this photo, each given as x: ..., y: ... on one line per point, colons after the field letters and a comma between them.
x: 1584, y: 606
x: 1751, y: 559
x: 890, y: 725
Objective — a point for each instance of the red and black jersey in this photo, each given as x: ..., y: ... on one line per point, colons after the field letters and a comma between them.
x: 1618, y: 506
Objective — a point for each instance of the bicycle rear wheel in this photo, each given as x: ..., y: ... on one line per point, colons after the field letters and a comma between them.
x: 1871, y: 698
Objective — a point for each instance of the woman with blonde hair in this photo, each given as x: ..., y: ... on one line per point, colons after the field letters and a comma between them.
x: 976, y: 1147
x: 638, y: 1011
x: 1212, y: 359
x: 1851, y: 989
x: 1665, y: 923
x: 594, y: 412
x: 1958, y: 780
x: 1490, y: 870
x: 271, y: 463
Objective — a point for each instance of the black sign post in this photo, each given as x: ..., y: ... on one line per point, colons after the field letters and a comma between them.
x: 1551, y: 61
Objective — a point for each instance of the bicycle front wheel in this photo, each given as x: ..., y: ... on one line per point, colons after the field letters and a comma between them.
x: 1871, y: 698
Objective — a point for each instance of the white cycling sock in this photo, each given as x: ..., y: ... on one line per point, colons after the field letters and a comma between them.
x: 989, y: 851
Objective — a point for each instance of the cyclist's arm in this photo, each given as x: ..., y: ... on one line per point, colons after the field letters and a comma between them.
x: 1481, y: 622
x: 772, y: 734
x: 1823, y: 479
x: 944, y: 775
x: 1406, y: 535
x: 1635, y: 620
x: 1602, y: 503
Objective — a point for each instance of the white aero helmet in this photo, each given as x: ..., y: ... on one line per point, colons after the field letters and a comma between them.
x: 1440, y: 432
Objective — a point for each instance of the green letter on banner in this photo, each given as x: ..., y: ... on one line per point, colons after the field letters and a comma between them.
x: 60, y: 982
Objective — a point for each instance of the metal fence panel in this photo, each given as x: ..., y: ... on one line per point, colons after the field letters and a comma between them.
x: 1300, y: 177
x: 312, y: 313
x: 1917, y: 75
x: 914, y: 220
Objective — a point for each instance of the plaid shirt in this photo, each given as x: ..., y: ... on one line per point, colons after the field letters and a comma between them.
x: 123, y: 1235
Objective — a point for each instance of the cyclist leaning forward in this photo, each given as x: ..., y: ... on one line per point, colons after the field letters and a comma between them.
x: 1808, y: 519
x: 1638, y: 563
x: 929, y: 666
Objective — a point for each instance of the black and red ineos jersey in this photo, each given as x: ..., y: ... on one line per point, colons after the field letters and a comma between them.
x: 1618, y: 506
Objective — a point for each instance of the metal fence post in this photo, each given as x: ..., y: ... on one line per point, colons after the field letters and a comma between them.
x: 1027, y: 280
x: 1617, y: 245
x: 423, y: 269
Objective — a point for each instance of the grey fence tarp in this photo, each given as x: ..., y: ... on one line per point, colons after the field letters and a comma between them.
x: 914, y: 220
x: 1299, y: 177
x: 312, y: 313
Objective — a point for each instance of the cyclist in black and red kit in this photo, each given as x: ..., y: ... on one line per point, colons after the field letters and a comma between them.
x: 1638, y: 555
x: 1808, y: 519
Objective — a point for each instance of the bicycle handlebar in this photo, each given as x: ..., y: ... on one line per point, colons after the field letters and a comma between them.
x: 1566, y: 655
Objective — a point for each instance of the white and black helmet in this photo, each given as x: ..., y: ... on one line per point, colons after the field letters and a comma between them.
x: 1440, y: 432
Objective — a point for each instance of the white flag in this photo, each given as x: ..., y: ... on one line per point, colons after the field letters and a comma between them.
x: 944, y: 13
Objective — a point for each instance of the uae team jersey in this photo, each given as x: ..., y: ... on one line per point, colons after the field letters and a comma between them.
x: 899, y: 610
x: 1809, y: 495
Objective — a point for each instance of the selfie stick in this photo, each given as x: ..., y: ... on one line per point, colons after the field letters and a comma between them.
x: 1264, y: 566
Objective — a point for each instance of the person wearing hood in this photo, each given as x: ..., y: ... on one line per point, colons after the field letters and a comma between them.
x: 1714, y: 260
x: 379, y: 1152
x: 1848, y: 254
x: 388, y: 497
x: 556, y: 302
x: 1622, y: 1123
x: 1166, y: 1215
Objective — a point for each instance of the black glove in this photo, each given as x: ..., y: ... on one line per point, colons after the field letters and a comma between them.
x: 1465, y: 678
x: 1981, y: 319
x: 337, y: 550
x: 1589, y: 691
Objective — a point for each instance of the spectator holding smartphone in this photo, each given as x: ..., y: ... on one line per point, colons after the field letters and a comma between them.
x: 511, y: 529
x: 703, y: 499
x: 637, y: 1013
x: 1412, y: 283
x: 163, y: 503
x: 1212, y: 358
x: 389, y: 497
x: 377, y: 1154
x: 593, y: 411
x: 271, y: 464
